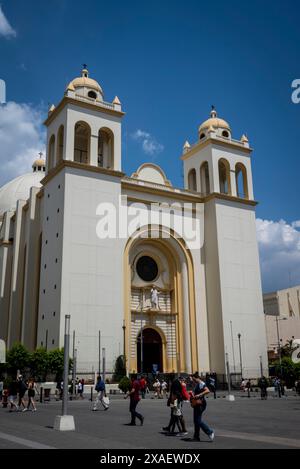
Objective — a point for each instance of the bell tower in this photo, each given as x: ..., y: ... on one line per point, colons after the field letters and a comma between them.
x: 217, y: 163
x: 78, y: 269
x: 218, y: 168
x: 84, y: 128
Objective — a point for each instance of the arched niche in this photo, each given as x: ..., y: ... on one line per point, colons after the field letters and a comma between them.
x: 60, y: 143
x: 105, y: 148
x: 204, y: 176
x: 241, y: 181
x: 192, y: 180
x: 224, y: 176
x: 82, y: 140
x: 51, y: 152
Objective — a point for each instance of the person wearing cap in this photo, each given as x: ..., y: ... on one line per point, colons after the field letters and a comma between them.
x: 198, y: 403
x: 22, y: 388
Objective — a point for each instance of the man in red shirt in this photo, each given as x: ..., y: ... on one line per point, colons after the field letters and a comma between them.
x: 134, y: 395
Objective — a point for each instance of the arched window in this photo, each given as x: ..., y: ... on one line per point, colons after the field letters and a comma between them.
x: 224, y: 177
x: 92, y: 94
x: 82, y: 143
x: 105, y: 149
x: 51, y: 152
x: 204, y: 175
x: 201, y: 136
x: 60, y: 143
x: 241, y: 181
x: 192, y: 182
x: 225, y: 133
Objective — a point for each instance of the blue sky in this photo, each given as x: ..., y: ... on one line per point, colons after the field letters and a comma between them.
x: 168, y: 62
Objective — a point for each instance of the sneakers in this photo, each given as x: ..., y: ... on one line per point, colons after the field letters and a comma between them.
x: 142, y: 421
x: 182, y: 434
x: 25, y: 410
x: 211, y: 436
x: 166, y: 429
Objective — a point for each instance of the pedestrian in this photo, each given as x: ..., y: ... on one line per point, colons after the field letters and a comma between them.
x: 134, y: 395
x: 157, y: 388
x: 12, y: 395
x: 32, y: 389
x: 198, y: 402
x: 143, y: 387
x: 1, y: 388
x: 101, y: 396
x: 22, y: 388
x: 81, y: 388
x: 211, y: 384
x: 175, y: 402
x: 164, y: 388
x: 263, y: 385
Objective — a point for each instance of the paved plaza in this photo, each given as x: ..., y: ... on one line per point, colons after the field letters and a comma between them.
x: 244, y: 423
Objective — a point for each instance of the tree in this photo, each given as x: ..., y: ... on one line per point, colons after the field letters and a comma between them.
x: 17, y: 359
x: 124, y: 384
x: 56, y: 362
x: 290, y: 371
x: 39, y: 362
x: 120, y: 369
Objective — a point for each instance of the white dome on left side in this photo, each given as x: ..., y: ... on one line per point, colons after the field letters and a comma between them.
x: 18, y: 188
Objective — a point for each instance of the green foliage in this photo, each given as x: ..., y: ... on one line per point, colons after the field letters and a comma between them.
x: 290, y: 371
x: 56, y: 361
x: 120, y: 369
x: 39, y: 362
x: 124, y: 384
x: 17, y: 359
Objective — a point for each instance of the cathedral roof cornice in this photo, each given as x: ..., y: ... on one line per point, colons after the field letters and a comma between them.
x: 106, y: 108
x: 215, y: 141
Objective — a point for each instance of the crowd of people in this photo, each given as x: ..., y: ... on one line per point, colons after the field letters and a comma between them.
x: 176, y: 396
x: 14, y: 396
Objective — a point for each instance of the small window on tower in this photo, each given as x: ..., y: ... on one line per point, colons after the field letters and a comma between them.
x: 225, y: 133
x: 92, y: 94
x: 202, y: 136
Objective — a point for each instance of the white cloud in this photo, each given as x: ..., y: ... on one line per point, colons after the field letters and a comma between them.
x: 5, y: 28
x: 21, y: 138
x: 279, y: 248
x: 149, y: 144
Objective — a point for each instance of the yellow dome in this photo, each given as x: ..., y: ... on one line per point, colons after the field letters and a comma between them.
x: 214, y: 122
x: 39, y: 163
x: 84, y: 81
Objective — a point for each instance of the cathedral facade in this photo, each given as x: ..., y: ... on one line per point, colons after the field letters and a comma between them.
x: 168, y: 276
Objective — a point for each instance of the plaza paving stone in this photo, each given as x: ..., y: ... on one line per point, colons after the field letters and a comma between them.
x: 244, y: 423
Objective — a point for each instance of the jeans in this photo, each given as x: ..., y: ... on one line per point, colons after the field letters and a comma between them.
x: 134, y: 413
x: 98, y: 399
x: 198, y: 422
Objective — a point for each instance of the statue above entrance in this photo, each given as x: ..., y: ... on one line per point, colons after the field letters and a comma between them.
x: 154, y: 297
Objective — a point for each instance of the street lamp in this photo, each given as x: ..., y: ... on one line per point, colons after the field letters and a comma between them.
x: 241, y: 363
x: 278, y: 340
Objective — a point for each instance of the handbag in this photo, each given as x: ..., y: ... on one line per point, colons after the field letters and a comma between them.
x: 106, y: 400
x: 196, y: 402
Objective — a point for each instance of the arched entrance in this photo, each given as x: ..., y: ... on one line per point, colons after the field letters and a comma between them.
x: 152, y: 351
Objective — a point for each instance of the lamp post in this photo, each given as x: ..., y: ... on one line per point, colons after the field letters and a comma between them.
x: 278, y: 341
x: 65, y: 421
x: 233, y: 356
x: 241, y: 363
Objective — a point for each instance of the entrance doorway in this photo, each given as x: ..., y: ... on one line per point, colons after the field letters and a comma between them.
x: 152, y: 351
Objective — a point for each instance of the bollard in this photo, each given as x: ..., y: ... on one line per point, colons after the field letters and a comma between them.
x: 41, y: 395
x: 248, y: 392
x: 91, y: 394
